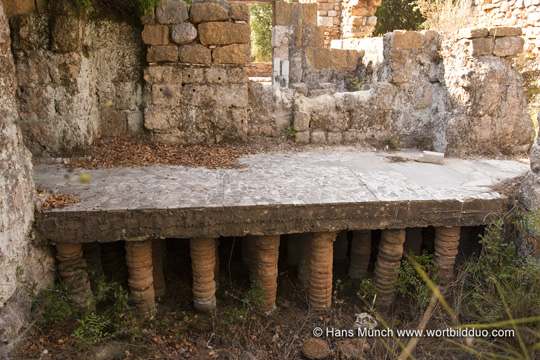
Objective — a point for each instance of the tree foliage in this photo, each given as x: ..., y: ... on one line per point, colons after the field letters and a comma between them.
x: 398, y: 15
x: 261, y: 32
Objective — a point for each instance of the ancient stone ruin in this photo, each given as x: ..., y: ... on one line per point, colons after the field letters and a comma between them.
x: 179, y: 76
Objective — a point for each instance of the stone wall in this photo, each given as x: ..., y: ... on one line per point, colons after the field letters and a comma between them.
x: 78, y: 78
x: 196, y: 84
x: 21, y: 262
x: 301, y: 60
x: 418, y: 91
x: 522, y: 13
x: 345, y: 19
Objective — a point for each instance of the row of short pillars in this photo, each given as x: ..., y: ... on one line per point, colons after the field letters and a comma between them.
x: 313, y: 253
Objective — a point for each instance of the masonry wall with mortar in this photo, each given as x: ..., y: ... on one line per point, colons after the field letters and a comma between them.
x: 195, y: 82
x: 522, y: 13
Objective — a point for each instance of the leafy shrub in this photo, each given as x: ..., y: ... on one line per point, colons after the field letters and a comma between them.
x: 409, y: 282
x: 398, y: 15
x: 261, y: 32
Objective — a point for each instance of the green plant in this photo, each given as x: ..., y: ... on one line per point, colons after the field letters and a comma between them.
x: 409, y: 282
x: 367, y: 290
x: 261, y: 32
x: 398, y: 14
x: 54, y: 303
x: 391, y: 142
x: 290, y: 131
x: 91, y: 329
x: 254, y: 296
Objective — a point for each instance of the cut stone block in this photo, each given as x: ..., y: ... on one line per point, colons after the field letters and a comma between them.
x: 508, y: 46
x: 167, y: 53
x: 432, y: 157
x: 231, y: 54
x: 183, y: 33
x: 407, y: 40
x: 472, y: 33
x: 505, y: 31
x: 195, y: 54
x: 224, y: 33
x: 155, y: 35
x: 207, y: 12
x: 172, y: 12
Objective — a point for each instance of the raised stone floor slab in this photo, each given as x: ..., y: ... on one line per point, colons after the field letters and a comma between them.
x: 273, y: 194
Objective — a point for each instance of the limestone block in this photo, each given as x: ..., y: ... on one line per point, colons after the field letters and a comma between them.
x: 207, y: 12
x: 36, y: 103
x: 197, y: 95
x: 232, y: 95
x: 240, y: 12
x: 113, y: 123
x: 157, y: 119
x: 172, y: 12
x: 335, y: 138
x: 167, y: 53
x: 135, y: 122
x: 300, y: 88
x: 318, y: 137
x: 231, y: 54
x: 302, y: 137
x: 216, y: 75
x: 17, y: 7
x: 30, y: 31
x: 282, y: 13
x: 163, y: 74
x: 281, y: 36
x: 155, y: 35
x: 224, y: 33
x: 481, y: 46
x: 352, y: 59
x: 193, y: 75
x: 338, y: 58
x: 322, y: 58
x: 166, y: 94
x: 508, y: 46
x: 66, y: 34
x: 301, y: 120
x: 505, y: 31
x: 237, y: 75
x: 432, y: 157
x: 195, y: 54
x: 325, y: 21
x: 312, y: 36
x: 472, y: 33
x: 407, y: 40
x: 296, y: 14
x: 309, y: 14
x: 350, y: 136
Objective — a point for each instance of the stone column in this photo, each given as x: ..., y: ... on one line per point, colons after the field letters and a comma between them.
x: 304, y: 261
x: 387, y: 265
x: 413, y: 241
x: 158, y: 252
x: 360, y: 254
x: 446, y: 249
x: 320, y: 268
x: 294, y: 245
x: 341, y: 247
x: 265, y: 264
x: 140, y: 280
x: 92, y: 256
x: 203, y: 264
x: 72, y: 269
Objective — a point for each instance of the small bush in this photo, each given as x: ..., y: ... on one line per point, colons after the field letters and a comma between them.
x: 398, y: 15
x: 409, y: 282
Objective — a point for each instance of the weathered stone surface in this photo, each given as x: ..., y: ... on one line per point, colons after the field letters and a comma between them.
x: 481, y: 46
x: 72, y: 269
x: 163, y: 74
x: 309, y: 14
x: 167, y: 53
x: 66, y: 34
x: 316, y: 349
x: 157, y: 118
x: 224, y: 33
x: 301, y: 120
x: 471, y: 33
x: 172, y: 12
x: 155, y: 35
x: 30, y: 31
x: 17, y: 214
x: 166, y: 95
x: 508, y: 46
x: 282, y: 13
x: 113, y: 123
x: 183, y: 33
x: 207, y: 12
x: 195, y: 54
x: 215, y: 75
x: 193, y: 75
x: 407, y: 40
x: 231, y: 54
x: 16, y: 7
x: 505, y: 31
x: 240, y: 12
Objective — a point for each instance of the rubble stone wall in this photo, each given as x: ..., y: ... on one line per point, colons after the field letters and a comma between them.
x: 78, y: 78
x: 22, y: 263
x: 522, y: 13
x: 196, y: 85
x: 417, y: 91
